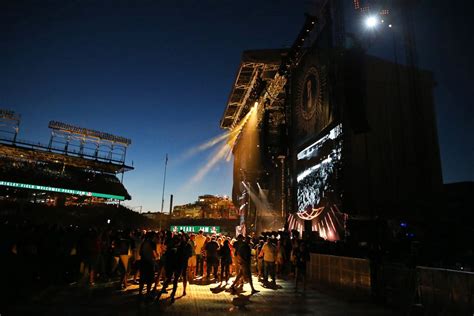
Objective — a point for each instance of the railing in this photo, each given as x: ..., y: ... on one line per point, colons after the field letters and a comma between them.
x: 430, y: 291
x: 445, y: 292
x: 117, y: 158
x: 342, y: 273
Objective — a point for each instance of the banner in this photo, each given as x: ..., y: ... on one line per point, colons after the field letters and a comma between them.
x: 60, y: 190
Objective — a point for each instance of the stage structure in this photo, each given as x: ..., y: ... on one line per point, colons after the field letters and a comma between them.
x: 341, y: 135
x: 256, y: 106
x: 363, y: 141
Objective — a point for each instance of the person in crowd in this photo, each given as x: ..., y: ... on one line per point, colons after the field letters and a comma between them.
x: 220, y: 241
x: 124, y: 250
x: 184, y: 252
x: 286, y: 248
x: 160, y: 260
x: 199, y: 242
x: 91, y: 252
x: 226, y: 260
x: 236, y: 246
x: 173, y: 264
x: 192, y: 259
x: 279, y: 258
x: 268, y: 253
x: 301, y: 257
x: 212, y: 259
x: 244, y: 254
x: 136, y: 243
x: 259, y: 246
x: 231, y: 267
x: 147, y: 263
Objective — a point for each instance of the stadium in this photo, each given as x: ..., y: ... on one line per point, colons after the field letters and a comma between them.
x: 76, y: 178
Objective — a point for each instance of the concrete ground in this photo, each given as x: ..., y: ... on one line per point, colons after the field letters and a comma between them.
x: 202, y: 299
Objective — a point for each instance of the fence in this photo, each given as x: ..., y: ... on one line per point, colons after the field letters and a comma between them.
x: 342, y: 273
x: 445, y: 292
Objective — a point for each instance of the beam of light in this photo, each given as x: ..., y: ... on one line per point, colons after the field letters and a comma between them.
x: 269, y: 217
x: 208, y: 144
x: 237, y: 130
x: 224, y: 152
x: 220, y: 153
x: 332, y: 222
x: 338, y: 221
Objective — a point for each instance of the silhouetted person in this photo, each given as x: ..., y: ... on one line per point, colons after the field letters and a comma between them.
x: 301, y: 258
x: 147, y: 263
x: 124, y: 251
x: 212, y: 259
x: 172, y: 265
x: 244, y: 253
x: 258, y: 249
x: 183, y: 253
x: 91, y: 254
x: 226, y: 261
x: 236, y: 246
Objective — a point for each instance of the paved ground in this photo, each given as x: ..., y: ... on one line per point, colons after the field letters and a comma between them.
x: 201, y: 299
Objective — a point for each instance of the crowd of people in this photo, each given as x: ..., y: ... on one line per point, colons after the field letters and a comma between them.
x: 152, y: 259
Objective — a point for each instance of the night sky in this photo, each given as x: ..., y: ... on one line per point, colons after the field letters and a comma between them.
x: 160, y: 73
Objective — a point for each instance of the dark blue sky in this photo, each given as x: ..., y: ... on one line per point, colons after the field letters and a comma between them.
x: 160, y: 72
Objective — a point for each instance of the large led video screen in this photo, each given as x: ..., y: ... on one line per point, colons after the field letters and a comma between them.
x: 319, y: 192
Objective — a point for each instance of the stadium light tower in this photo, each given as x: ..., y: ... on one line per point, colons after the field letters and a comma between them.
x: 371, y: 22
x: 10, y: 120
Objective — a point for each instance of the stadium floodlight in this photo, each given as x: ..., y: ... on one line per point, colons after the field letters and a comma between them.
x: 63, y: 127
x: 9, y: 115
x: 371, y: 21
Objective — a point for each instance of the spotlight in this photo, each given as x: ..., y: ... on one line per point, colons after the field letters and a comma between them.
x: 371, y: 21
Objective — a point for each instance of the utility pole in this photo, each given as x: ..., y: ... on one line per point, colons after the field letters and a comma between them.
x: 164, y: 183
x: 163, y: 193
